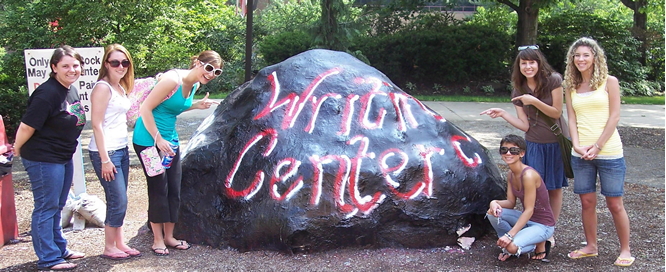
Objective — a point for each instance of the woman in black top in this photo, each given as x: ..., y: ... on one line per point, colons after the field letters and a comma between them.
x: 46, y: 140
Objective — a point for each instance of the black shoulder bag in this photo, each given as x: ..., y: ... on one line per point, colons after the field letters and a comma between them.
x: 565, y: 143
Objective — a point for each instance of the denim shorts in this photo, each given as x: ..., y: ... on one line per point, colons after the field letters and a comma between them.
x: 610, y: 172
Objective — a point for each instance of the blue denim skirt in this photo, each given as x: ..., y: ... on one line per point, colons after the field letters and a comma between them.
x: 547, y: 160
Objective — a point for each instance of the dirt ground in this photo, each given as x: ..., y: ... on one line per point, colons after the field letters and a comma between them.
x: 644, y: 202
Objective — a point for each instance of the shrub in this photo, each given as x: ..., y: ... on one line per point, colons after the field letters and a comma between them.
x: 488, y: 89
x: 281, y: 46
x: 641, y: 88
x: 12, y: 108
x: 559, y: 31
x: 451, y: 54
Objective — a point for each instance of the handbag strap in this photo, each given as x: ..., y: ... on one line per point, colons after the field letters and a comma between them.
x: 554, y: 127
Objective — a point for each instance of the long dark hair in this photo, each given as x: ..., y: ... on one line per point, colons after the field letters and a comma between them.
x: 542, y: 75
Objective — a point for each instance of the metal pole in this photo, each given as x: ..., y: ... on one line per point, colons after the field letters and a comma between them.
x: 248, y: 41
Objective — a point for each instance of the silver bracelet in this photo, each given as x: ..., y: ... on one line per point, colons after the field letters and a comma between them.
x: 597, y: 146
x: 108, y: 161
x: 509, y: 236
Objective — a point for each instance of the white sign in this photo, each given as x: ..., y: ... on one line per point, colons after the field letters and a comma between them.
x: 37, y: 70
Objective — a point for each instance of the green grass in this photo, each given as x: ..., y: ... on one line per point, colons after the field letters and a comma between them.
x: 643, y: 100
x: 211, y: 96
x: 463, y: 98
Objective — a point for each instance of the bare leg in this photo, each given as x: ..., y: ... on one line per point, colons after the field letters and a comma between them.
x: 540, y: 251
x: 621, y: 220
x: 158, y: 237
x: 555, y: 197
x: 110, y: 238
x: 589, y: 205
x: 170, y: 240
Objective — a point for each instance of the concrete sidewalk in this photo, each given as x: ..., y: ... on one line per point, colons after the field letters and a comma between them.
x: 648, y: 116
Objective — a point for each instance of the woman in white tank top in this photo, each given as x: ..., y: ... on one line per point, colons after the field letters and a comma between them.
x: 108, y: 146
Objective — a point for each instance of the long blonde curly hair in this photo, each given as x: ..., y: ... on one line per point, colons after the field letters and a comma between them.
x: 573, y: 77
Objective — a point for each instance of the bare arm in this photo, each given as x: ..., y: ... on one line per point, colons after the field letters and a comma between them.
x: 613, y: 89
x: 23, y: 134
x: 573, y: 126
x: 202, y: 104
x: 519, y: 122
x: 99, y: 101
x: 164, y: 86
x: 553, y: 111
x: 496, y: 206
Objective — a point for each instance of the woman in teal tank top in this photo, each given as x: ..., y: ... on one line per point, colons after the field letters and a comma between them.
x: 157, y: 126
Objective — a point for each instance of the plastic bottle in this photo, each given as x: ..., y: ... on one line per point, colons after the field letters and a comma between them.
x: 167, y: 160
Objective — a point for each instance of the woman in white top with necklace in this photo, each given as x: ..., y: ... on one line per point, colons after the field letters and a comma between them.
x: 108, y: 146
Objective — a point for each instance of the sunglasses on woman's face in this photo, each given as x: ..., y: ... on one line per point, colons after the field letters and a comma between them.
x: 116, y: 63
x: 513, y: 150
x: 210, y: 68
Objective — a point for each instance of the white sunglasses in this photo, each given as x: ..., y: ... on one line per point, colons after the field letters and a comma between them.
x: 533, y: 47
x: 210, y: 68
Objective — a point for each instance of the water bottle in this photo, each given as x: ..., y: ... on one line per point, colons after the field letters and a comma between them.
x: 167, y: 160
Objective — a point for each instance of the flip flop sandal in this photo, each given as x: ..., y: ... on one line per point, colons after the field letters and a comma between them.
x: 546, y: 252
x: 116, y: 256
x: 60, y: 269
x: 581, y: 254
x: 181, y: 245
x: 73, y: 255
x: 163, y: 253
x: 624, y: 261
x: 133, y: 253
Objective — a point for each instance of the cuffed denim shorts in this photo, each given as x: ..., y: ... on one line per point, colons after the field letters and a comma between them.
x: 610, y: 172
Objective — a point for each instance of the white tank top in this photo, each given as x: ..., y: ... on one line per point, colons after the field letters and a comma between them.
x: 115, y: 121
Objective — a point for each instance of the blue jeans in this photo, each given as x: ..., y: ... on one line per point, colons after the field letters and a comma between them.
x: 116, y: 189
x: 527, y: 238
x: 50, y: 184
x: 611, y: 176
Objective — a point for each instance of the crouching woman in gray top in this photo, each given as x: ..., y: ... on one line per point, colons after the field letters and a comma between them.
x: 526, y: 231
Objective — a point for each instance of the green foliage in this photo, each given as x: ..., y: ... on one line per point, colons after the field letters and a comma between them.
x: 438, y: 87
x: 450, y: 54
x: 500, y: 18
x: 641, y: 88
x: 467, y: 90
x: 410, y: 86
x: 337, y: 26
x: 12, y: 108
x: 488, y: 89
x: 655, y: 54
x: 279, y: 47
x: 287, y: 16
x: 559, y: 31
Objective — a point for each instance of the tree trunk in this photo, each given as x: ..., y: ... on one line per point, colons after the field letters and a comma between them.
x: 640, y: 28
x: 528, y: 19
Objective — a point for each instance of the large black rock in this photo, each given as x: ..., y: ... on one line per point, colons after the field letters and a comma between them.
x: 323, y: 151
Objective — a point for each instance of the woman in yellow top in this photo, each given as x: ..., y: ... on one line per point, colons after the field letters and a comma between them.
x: 593, y: 109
